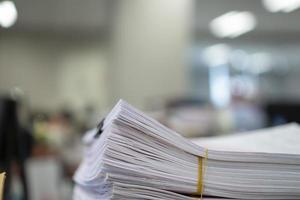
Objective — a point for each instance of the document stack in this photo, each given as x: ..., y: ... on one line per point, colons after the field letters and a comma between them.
x: 136, y: 157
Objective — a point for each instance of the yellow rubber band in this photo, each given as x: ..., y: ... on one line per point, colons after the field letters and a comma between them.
x: 201, y: 171
x: 200, y: 168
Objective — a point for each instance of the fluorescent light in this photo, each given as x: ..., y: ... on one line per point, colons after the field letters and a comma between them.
x: 281, y: 5
x: 216, y: 55
x: 219, y: 85
x: 261, y: 62
x: 239, y: 59
x: 8, y: 14
x: 233, y: 24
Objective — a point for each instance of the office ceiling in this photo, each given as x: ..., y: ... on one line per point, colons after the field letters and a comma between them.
x: 267, y: 22
x: 93, y: 16
x: 62, y: 15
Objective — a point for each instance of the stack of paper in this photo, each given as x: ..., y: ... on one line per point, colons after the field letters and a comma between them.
x: 138, y: 158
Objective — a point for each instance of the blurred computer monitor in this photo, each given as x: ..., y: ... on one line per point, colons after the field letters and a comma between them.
x: 281, y: 113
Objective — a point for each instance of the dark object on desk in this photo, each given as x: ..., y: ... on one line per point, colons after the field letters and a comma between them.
x: 100, y: 128
x: 176, y: 103
x: 14, y: 145
x: 282, y: 113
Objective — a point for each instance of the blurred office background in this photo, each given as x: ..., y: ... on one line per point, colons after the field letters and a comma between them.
x: 203, y: 68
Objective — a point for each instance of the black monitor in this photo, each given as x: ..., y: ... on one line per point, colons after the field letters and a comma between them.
x: 281, y: 113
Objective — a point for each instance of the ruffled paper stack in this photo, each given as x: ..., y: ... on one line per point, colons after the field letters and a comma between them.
x: 136, y: 157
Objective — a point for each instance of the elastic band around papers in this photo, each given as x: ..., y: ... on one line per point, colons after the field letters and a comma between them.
x: 201, y: 172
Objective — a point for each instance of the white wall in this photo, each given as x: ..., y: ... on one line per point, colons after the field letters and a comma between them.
x: 147, y: 54
x: 149, y: 48
x: 31, y: 65
x: 82, y: 77
x: 54, y: 72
